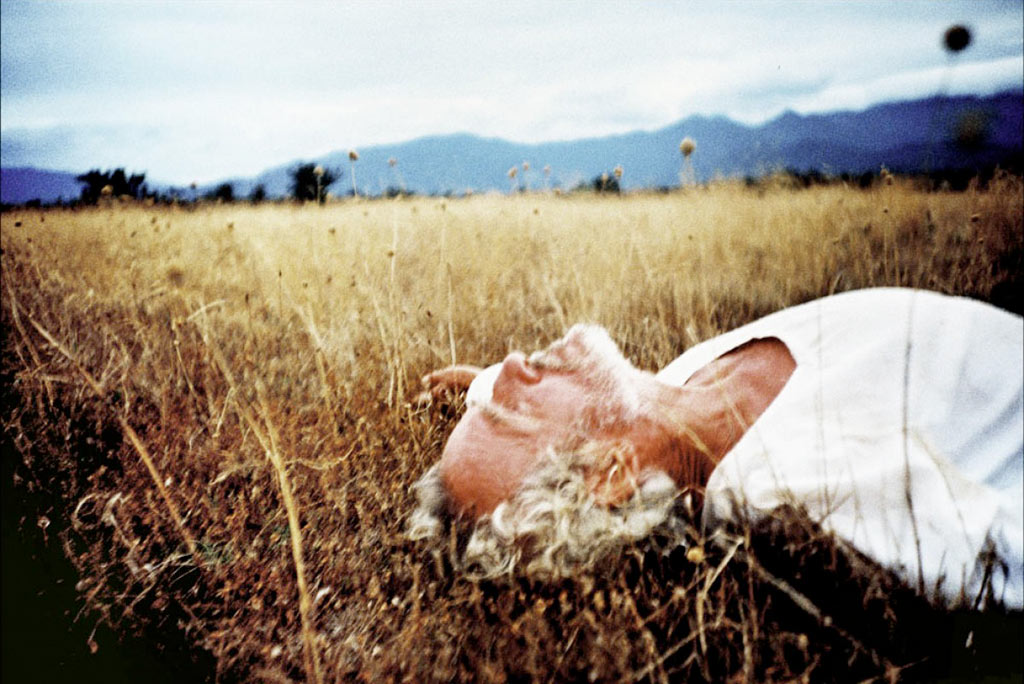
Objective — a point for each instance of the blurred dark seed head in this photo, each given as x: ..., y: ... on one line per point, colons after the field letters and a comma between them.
x: 971, y: 130
x: 957, y: 38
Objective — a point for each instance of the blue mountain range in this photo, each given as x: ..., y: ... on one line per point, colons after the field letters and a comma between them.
x: 948, y: 132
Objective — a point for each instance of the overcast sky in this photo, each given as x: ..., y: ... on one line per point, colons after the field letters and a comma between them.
x: 192, y: 90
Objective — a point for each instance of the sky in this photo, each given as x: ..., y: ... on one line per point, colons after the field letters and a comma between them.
x: 206, y: 90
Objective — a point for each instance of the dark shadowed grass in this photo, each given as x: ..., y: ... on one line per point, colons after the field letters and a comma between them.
x: 217, y: 424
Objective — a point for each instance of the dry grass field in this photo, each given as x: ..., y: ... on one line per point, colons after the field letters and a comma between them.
x: 213, y: 409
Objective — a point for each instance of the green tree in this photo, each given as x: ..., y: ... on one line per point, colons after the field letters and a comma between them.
x: 258, y: 194
x: 307, y: 184
x: 605, y: 183
x: 119, y: 182
x: 225, y: 192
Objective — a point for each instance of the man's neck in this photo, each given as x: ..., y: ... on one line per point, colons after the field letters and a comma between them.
x: 703, y: 420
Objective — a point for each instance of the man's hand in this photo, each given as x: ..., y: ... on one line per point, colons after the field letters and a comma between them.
x: 446, y: 383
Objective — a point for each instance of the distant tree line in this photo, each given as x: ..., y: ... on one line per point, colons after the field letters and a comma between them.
x: 307, y: 185
x: 223, y: 193
x: 955, y: 179
x: 116, y: 183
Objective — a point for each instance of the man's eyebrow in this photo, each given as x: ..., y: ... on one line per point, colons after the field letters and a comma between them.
x: 546, y: 360
x: 537, y: 358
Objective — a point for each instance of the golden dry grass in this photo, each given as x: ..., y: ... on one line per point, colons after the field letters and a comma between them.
x: 216, y: 405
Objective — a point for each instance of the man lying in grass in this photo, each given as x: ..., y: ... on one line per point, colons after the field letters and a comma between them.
x: 894, y: 418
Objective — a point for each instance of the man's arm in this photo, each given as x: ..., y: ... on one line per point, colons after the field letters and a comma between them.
x: 447, y: 382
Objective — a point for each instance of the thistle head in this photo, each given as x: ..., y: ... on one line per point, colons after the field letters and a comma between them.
x: 687, y: 146
x: 353, y: 156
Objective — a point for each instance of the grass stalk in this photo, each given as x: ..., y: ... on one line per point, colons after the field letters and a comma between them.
x: 269, y: 441
x: 140, y: 448
x: 27, y: 341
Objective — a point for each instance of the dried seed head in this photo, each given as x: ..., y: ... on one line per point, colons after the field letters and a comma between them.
x: 618, y: 172
x: 687, y: 146
x: 318, y: 171
x: 392, y: 162
x: 513, y: 172
x: 526, y: 166
x: 353, y: 155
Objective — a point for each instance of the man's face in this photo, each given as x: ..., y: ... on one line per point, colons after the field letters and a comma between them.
x: 580, y: 387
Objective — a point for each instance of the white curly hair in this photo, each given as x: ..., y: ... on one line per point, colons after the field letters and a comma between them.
x: 553, y: 526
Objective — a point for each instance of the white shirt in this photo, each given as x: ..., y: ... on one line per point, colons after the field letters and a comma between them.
x: 901, y: 431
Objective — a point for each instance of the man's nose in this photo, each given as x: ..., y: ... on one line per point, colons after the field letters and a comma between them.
x: 515, y: 367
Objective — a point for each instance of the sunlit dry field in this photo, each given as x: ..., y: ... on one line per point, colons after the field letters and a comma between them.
x: 214, y: 408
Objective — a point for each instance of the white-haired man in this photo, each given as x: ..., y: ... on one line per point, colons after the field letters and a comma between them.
x: 893, y: 417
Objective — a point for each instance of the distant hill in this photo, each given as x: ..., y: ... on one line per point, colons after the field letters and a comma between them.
x: 906, y: 136
x: 962, y: 132
x: 19, y: 185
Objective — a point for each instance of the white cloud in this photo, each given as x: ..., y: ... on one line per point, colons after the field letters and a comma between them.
x: 978, y: 77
